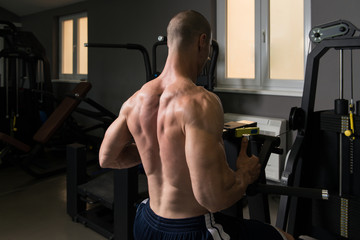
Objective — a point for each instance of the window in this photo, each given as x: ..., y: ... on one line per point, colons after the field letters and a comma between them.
x: 263, y: 45
x: 73, y: 62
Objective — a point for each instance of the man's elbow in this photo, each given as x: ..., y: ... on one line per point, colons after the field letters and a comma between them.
x: 213, y: 204
x: 215, y: 208
x: 104, y: 161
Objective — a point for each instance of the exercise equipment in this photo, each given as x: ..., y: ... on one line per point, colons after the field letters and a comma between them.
x: 26, y: 89
x: 56, y: 132
x: 257, y: 193
x: 336, y: 29
x: 106, y: 202
x: 94, y: 199
x: 322, y: 156
x: 29, y: 153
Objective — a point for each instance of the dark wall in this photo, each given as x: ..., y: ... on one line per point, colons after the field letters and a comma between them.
x: 115, y: 74
x: 8, y: 16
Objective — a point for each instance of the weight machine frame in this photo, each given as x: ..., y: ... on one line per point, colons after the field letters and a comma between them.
x: 291, y: 214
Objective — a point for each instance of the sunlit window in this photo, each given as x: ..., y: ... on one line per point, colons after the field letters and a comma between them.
x: 82, y: 50
x: 73, y: 55
x: 286, y: 39
x: 67, y: 46
x: 240, y: 45
x: 263, y: 45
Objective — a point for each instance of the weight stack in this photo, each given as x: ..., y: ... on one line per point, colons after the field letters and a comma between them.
x: 340, y: 215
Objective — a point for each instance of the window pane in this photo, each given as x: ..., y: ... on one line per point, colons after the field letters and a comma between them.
x: 240, y: 47
x: 82, y: 61
x: 67, y: 47
x: 287, y: 39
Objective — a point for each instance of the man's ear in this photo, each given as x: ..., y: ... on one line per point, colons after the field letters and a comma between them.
x: 202, y: 40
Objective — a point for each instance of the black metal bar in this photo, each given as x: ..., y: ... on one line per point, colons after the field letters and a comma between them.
x: 162, y: 40
x: 313, y: 193
x: 259, y: 203
x: 129, y: 46
x: 76, y: 175
x: 125, y: 193
x: 259, y: 207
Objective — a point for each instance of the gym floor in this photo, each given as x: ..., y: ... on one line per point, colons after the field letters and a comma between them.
x: 33, y: 208
x: 36, y: 208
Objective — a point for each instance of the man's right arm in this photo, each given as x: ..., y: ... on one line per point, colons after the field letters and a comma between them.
x: 214, y: 184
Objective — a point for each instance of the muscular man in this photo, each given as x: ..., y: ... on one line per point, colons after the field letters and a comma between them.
x: 177, y: 129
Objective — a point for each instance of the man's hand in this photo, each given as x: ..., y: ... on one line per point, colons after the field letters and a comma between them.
x: 248, y: 166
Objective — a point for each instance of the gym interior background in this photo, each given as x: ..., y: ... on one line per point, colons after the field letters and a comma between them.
x: 116, y: 74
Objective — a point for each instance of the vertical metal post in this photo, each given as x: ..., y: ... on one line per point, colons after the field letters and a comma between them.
x: 125, y: 193
x: 341, y: 77
x: 17, y: 85
x: 7, y: 86
x: 341, y: 95
x: 75, y: 176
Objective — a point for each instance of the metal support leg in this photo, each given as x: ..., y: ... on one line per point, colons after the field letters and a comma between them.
x: 76, y: 175
x: 125, y: 194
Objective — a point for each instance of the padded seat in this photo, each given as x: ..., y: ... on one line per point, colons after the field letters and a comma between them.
x: 100, y: 189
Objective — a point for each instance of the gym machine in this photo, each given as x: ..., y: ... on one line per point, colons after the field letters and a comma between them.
x: 257, y: 194
x: 28, y: 116
x: 59, y: 125
x: 26, y: 89
x: 326, y: 149
x: 92, y: 198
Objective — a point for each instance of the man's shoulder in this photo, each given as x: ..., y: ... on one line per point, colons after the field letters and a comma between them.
x: 202, y: 96
x: 200, y: 103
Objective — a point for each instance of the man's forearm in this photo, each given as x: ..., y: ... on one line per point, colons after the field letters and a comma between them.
x: 222, y: 191
x: 129, y: 156
x: 126, y: 158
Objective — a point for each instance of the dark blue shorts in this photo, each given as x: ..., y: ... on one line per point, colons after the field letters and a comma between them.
x: 217, y: 226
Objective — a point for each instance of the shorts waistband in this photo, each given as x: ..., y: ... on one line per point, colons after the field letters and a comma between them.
x: 178, y: 225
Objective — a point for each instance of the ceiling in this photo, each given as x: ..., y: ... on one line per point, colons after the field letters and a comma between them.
x: 26, y: 7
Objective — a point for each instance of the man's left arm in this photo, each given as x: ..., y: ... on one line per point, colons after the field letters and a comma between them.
x: 118, y: 149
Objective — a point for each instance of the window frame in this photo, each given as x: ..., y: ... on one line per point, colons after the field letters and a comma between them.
x: 74, y: 76
x: 262, y: 84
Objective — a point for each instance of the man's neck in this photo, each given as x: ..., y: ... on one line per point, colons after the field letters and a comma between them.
x: 181, y: 65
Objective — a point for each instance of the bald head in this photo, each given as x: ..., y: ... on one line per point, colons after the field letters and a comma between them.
x: 185, y: 28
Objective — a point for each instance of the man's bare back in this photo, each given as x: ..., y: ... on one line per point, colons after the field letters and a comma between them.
x: 164, y: 103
